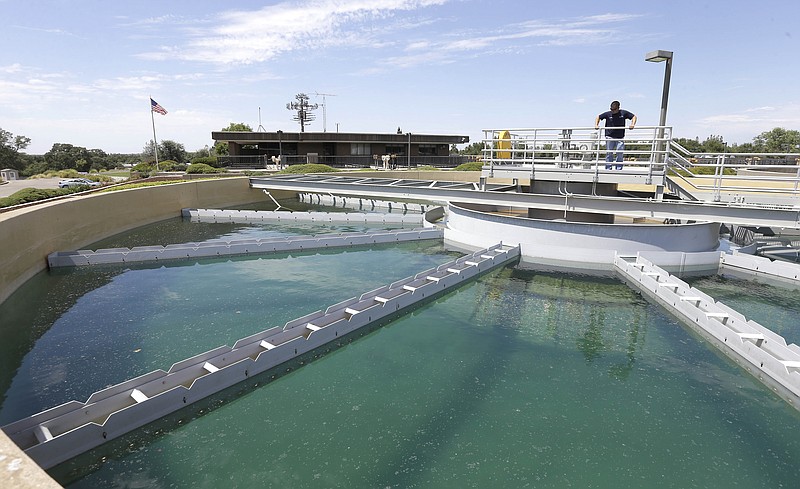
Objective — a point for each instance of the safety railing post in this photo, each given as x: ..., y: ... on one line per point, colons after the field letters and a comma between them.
x: 718, y: 178
x: 533, y: 158
x: 797, y: 178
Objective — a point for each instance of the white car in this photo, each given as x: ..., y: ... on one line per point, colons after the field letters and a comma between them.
x: 75, y: 182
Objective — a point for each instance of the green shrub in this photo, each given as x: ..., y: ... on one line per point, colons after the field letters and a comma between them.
x: 70, y: 173
x: 143, y: 167
x: 142, y: 184
x: 471, y: 166
x: 207, y: 160
x: 171, y: 165
x: 307, y: 168
x: 428, y: 168
x: 26, y: 195
x: 196, y: 168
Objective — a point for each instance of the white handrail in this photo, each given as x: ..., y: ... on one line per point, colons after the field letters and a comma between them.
x: 571, y: 147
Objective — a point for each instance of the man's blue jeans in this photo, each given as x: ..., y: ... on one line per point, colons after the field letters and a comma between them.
x: 612, y: 146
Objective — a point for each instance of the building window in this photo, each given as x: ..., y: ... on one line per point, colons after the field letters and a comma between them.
x: 427, y: 150
x: 395, y: 149
x: 360, y: 149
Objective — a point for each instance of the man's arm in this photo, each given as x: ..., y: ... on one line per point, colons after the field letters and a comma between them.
x: 633, y: 121
x: 597, y: 122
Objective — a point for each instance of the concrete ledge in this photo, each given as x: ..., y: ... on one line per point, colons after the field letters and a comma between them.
x: 28, y: 235
x: 192, y: 251
x: 760, y: 266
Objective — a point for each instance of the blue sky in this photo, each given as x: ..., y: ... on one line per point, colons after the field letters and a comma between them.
x: 81, y: 72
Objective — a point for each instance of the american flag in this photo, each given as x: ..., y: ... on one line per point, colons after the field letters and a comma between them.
x: 157, y: 108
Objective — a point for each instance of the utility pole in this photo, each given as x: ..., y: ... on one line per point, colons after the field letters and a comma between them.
x: 304, y: 110
x: 324, y: 106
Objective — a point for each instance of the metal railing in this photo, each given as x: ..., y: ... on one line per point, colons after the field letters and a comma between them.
x: 715, y: 173
x: 717, y: 176
x: 571, y: 146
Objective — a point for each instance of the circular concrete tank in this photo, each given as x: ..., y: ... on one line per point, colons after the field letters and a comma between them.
x: 583, y: 245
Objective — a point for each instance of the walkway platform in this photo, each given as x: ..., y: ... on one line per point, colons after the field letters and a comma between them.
x: 442, y: 192
x: 577, y: 171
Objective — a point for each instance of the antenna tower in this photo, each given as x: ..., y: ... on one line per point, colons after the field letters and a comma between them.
x: 304, y: 110
x: 324, y: 107
x: 260, y: 127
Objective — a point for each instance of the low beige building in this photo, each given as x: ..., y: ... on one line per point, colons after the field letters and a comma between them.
x: 248, y: 149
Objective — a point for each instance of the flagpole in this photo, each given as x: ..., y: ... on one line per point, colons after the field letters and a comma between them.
x: 155, y: 140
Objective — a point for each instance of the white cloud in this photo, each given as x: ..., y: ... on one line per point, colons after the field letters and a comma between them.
x: 245, y: 37
x: 12, y: 68
x: 594, y: 31
x: 761, y: 109
x: 42, y: 30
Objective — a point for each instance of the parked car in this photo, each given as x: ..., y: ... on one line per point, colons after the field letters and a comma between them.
x: 75, y: 182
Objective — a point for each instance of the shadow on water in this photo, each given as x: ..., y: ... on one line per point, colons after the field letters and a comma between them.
x: 36, y: 306
x: 451, y: 413
x: 26, y: 317
x: 712, y: 380
x: 499, y: 344
x: 78, y: 467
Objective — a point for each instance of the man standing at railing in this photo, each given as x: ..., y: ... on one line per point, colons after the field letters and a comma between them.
x: 615, y: 143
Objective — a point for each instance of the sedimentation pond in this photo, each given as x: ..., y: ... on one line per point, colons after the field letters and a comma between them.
x: 520, y: 378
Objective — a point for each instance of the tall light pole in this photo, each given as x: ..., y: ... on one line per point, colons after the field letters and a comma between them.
x: 280, y: 148
x: 409, y: 150
x: 657, y: 57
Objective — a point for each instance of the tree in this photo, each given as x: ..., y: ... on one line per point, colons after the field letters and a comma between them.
x: 743, y: 148
x: 10, y: 147
x: 167, y: 150
x: 221, y: 147
x: 473, y: 149
x: 170, y: 150
x: 714, y: 144
x: 692, y: 145
x: 778, y: 140
x: 64, y: 156
x: 149, y: 151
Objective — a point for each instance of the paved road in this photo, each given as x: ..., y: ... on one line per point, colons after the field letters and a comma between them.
x: 9, y: 188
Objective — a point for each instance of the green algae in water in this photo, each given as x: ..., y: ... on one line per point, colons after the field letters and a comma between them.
x: 517, y: 379
x: 131, y: 321
x: 771, y: 306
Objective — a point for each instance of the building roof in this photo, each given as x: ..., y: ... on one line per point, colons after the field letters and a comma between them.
x: 245, y: 137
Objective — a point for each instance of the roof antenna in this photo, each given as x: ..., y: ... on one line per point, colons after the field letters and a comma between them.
x: 260, y: 127
x: 324, y: 110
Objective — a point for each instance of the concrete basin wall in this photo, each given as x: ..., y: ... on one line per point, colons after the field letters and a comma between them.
x: 29, y: 234
x: 576, y: 244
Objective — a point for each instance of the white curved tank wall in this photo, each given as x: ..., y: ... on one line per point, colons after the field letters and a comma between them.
x: 584, y: 245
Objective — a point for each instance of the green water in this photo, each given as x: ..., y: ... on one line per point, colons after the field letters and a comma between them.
x: 772, y: 307
x: 518, y: 379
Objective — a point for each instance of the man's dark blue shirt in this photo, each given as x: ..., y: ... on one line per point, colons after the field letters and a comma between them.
x: 616, y: 120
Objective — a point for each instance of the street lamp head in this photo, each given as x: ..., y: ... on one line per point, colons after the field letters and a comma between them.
x: 658, y: 56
